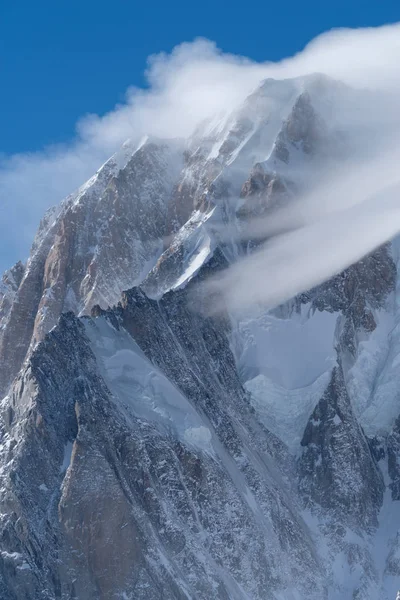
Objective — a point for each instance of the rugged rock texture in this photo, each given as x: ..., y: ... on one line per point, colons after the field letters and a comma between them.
x: 356, y: 293
x: 262, y: 191
x: 103, y: 503
x: 303, y: 130
x: 337, y: 471
x: 101, y: 241
x: 108, y: 235
x: 9, y: 285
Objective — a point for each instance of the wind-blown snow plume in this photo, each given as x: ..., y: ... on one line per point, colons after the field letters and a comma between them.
x: 191, y: 84
x: 297, y: 260
x: 195, y: 82
x: 352, y: 210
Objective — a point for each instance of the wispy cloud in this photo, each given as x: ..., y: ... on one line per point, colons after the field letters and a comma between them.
x: 185, y: 87
x: 297, y: 260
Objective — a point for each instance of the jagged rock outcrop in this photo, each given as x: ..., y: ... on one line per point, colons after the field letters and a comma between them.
x: 356, y: 293
x: 303, y: 130
x: 102, y: 240
x: 263, y: 191
x: 9, y: 285
x: 337, y: 470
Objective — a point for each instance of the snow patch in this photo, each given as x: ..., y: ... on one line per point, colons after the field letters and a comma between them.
x: 141, y: 390
x: 196, y: 261
x: 286, y: 366
x: 337, y: 420
x: 372, y: 381
x: 198, y: 436
x: 67, y: 457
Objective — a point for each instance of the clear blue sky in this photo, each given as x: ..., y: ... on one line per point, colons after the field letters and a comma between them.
x: 62, y: 59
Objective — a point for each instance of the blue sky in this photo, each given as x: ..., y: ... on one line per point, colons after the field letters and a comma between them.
x: 61, y: 60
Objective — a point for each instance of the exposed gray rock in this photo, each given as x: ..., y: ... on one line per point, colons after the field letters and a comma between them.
x: 9, y: 285
x: 337, y: 471
x: 303, y: 129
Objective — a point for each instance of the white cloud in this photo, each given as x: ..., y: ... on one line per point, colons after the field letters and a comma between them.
x: 346, y: 211
x: 299, y: 259
x: 197, y: 80
x: 193, y: 82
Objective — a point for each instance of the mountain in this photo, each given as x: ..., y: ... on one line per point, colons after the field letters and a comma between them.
x: 154, y: 449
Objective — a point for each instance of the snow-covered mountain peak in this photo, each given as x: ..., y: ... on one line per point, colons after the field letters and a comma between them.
x: 152, y: 451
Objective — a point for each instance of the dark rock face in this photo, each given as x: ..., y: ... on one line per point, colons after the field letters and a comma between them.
x: 364, y: 285
x: 337, y: 471
x: 263, y: 191
x: 303, y: 130
x: 393, y: 451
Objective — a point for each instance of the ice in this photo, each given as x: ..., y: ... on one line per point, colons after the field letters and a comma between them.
x: 11, y: 555
x: 373, y: 380
x: 141, y: 390
x: 196, y: 242
x: 286, y: 364
x: 198, y: 436
x: 291, y: 352
x: 286, y: 412
x: 67, y: 457
x: 196, y: 261
x: 337, y: 420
